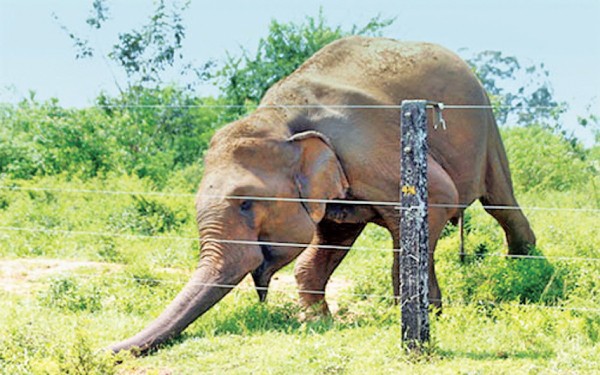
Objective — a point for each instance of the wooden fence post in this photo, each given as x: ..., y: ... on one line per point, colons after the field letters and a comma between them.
x: 414, y: 228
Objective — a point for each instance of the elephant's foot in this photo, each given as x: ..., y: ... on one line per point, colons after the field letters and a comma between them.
x: 521, y: 242
x: 519, y: 235
x: 435, y: 302
x: 261, y: 283
x: 314, y: 310
x: 520, y: 248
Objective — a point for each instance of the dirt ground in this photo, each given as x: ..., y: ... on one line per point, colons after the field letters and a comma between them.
x: 25, y: 276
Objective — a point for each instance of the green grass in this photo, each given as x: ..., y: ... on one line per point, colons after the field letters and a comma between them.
x: 501, y: 315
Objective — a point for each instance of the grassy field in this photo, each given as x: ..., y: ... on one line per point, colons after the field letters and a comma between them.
x: 93, y: 269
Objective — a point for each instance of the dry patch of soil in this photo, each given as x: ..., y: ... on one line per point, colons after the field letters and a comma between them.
x: 22, y: 276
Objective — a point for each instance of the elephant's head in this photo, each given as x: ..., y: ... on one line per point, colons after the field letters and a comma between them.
x: 234, y: 221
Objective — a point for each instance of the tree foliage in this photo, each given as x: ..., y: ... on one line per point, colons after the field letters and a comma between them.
x: 521, y: 95
x: 244, y: 79
x: 147, y: 53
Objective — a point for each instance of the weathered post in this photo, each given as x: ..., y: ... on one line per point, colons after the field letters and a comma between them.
x: 414, y: 228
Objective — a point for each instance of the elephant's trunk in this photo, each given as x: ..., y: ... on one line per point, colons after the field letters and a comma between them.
x: 208, y: 285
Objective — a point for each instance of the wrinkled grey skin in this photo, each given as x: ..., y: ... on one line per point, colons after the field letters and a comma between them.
x: 328, y: 152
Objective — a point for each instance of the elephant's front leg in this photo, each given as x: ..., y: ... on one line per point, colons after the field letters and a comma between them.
x: 315, y: 265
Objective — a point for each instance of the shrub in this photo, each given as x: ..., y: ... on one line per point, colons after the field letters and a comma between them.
x: 66, y: 293
x: 527, y: 281
x: 149, y: 217
x: 149, y: 132
x: 80, y: 358
x: 542, y: 161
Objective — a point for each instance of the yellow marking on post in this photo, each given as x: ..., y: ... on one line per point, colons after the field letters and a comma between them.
x: 409, y: 190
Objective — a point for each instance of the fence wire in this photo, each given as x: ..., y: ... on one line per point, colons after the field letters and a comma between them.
x: 272, y: 243
x: 395, y: 204
x: 440, y: 106
x: 294, y: 291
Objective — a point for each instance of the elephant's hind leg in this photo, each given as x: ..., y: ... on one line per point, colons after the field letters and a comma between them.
x: 315, y: 265
x: 499, y: 192
x: 519, y: 235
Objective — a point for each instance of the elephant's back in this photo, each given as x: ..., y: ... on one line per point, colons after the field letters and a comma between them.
x: 385, y: 70
x: 360, y: 71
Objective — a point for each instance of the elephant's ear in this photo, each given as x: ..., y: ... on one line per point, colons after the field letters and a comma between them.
x: 320, y: 174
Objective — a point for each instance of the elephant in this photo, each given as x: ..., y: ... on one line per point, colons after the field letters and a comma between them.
x: 331, y: 131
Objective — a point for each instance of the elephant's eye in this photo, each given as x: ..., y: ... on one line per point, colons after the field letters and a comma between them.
x: 246, y: 206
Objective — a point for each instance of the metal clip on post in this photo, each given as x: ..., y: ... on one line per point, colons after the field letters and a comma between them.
x: 438, y: 107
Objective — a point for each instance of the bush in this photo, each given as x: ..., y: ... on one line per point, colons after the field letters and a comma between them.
x: 149, y: 132
x: 45, y: 139
x: 148, y: 217
x: 543, y: 161
x: 517, y: 280
x: 66, y: 293
x: 80, y: 358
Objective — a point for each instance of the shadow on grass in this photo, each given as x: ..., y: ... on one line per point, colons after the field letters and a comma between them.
x: 495, y: 355
x: 530, y: 279
x: 286, y: 318
x: 251, y: 319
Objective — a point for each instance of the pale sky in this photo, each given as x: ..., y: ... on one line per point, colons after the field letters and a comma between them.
x: 565, y: 35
